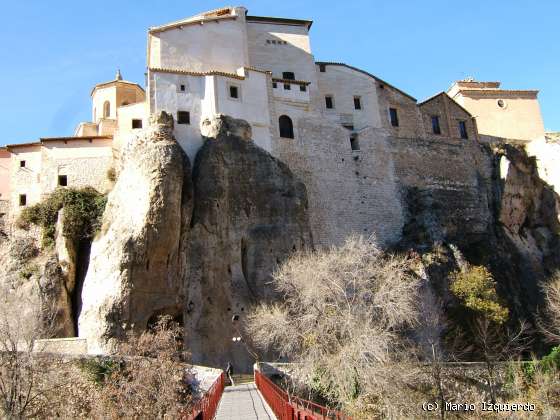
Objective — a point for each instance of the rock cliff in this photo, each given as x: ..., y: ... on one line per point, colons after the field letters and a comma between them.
x: 135, y: 261
x: 250, y: 213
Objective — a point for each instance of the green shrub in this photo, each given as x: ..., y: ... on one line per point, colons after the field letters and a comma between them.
x: 99, y: 370
x: 476, y: 289
x: 23, y: 249
x: 551, y: 361
x: 28, y: 271
x: 81, y: 216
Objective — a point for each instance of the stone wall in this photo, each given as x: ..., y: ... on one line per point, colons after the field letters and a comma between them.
x: 348, y: 191
x: 410, y: 120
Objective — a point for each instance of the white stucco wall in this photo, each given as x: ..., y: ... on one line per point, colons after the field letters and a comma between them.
x: 343, y: 84
x: 215, y: 45
x: 100, y: 96
x: 25, y: 180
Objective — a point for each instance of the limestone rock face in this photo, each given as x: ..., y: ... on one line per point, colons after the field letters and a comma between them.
x: 250, y: 213
x: 135, y: 261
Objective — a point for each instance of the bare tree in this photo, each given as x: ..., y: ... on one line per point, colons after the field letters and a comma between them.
x: 151, y: 381
x: 25, y: 381
x: 551, y: 325
x: 342, y: 316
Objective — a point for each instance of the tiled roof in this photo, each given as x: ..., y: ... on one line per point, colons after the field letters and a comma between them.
x: 50, y: 139
x: 330, y: 63
x: 295, y: 82
x: 100, y: 85
x: 217, y: 14
x: 198, y: 73
x: 443, y: 93
x: 281, y: 21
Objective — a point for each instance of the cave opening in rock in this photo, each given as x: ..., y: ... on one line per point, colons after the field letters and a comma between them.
x: 82, y: 264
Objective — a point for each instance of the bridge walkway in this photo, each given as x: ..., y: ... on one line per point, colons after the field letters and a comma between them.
x: 243, y: 402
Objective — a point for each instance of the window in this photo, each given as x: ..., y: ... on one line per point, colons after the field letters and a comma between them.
x: 136, y: 124
x: 501, y: 103
x: 287, y: 86
x: 288, y: 75
x: 63, y: 180
x: 286, y: 127
x: 354, y: 144
x: 348, y: 127
x: 357, y: 102
x: 22, y: 163
x: 233, y: 92
x: 329, y: 103
x: 106, y: 109
x: 183, y: 117
x: 274, y: 85
x: 22, y: 200
x: 463, y: 130
x: 435, y: 125
x: 124, y: 103
x: 394, y: 117
x: 322, y: 68
x: 302, y: 88
x: 183, y: 88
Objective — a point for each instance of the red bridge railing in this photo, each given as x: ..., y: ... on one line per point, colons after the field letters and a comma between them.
x: 205, y: 408
x: 289, y: 407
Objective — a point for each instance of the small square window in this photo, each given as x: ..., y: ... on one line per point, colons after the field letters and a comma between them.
x: 357, y: 102
x: 322, y: 68
x: 234, y: 92
x: 136, y: 124
x: 268, y: 41
x: 22, y: 163
x: 287, y: 86
x: 435, y: 125
x: 463, y: 130
x: 288, y: 75
x: 183, y: 88
x: 22, y: 200
x: 394, y: 117
x: 354, y: 144
x: 63, y: 180
x: 329, y: 103
x: 183, y: 117
x: 302, y: 88
x: 274, y: 85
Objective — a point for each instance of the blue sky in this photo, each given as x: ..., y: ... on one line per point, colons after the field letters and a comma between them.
x: 53, y: 52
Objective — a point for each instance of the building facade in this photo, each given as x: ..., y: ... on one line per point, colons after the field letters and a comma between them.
x: 343, y: 131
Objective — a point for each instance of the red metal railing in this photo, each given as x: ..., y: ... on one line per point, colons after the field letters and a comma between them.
x: 206, y: 407
x: 289, y: 407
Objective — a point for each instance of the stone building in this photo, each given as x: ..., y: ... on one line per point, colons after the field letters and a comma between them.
x: 354, y: 139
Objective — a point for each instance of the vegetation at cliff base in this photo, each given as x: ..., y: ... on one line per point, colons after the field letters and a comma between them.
x: 81, y: 216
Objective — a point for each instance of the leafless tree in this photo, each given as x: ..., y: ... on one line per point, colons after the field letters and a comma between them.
x: 342, y: 316
x: 551, y: 325
x: 151, y: 381
x: 25, y: 381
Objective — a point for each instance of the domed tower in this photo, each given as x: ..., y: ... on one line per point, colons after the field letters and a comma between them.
x: 107, y: 97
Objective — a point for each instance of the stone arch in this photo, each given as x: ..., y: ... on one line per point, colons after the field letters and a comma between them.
x: 286, y: 127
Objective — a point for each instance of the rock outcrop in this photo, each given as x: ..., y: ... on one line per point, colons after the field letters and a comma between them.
x: 250, y: 213
x: 135, y: 261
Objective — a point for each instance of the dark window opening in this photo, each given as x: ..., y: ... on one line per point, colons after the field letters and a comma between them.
x: 288, y: 75
x: 22, y: 200
x: 287, y: 86
x: 125, y: 103
x: 394, y: 117
x: 463, y: 130
x: 22, y: 163
x: 183, y: 117
x: 106, y: 109
x: 63, y: 180
x: 233, y: 92
x: 183, y: 88
x: 329, y: 102
x: 302, y: 88
x: 348, y: 127
x: 357, y: 102
x: 322, y: 68
x: 136, y: 124
x: 435, y: 125
x: 286, y: 127
x: 274, y: 85
x: 354, y: 144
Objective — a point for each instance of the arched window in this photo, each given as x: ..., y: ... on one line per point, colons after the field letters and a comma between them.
x: 286, y: 127
x: 106, y: 109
